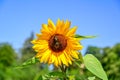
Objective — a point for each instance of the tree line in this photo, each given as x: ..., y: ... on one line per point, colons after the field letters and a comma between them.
x: 9, y: 59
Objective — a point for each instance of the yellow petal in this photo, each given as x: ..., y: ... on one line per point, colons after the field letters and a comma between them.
x: 72, y: 31
x: 59, y: 60
x: 51, y: 24
x: 43, y: 36
x: 59, y: 26
x: 40, y: 46
x: 52, y: 59
x: 68, y: 57
x: 74, y: 44
x: 66, y: 27
x: 56, y: 62
x: 74, y: 54
x: 33, y: 41
x: 40, y: 51
x: 45, y: 56
x: 38, y: 41
x: 45, y: 28
x: 63, y: 59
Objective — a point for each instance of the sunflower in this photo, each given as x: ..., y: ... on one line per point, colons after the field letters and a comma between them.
x: 56, y: 43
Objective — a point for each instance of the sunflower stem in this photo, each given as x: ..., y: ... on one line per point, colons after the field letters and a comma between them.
x: 64, y: 69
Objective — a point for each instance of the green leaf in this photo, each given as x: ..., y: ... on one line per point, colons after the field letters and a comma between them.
x: 71, y: 77
x: 40, y: 77
x: 94, y: 66
x: 91, y: 78
x: 84, y: 37
x: 31, y: 61
x: 28, y: 62
x: 56, y: 73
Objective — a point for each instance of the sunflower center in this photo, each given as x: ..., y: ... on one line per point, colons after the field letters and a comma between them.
x: 57, y: 43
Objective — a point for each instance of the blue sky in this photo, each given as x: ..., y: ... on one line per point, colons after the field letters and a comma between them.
x: 93, y: 17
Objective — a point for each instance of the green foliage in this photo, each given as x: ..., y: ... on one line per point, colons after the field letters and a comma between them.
x: 94, y: 66
x: 9, y: 59
x: 110, y: 59
x: 55, y: 75
x: 108, y: 56
x: 28, y: 58
x: 27, y: 51
x: 7, y: 55
x: 96, y: 51
x: 111, y: 62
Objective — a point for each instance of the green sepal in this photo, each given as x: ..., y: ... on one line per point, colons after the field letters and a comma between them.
x: 84, y: 37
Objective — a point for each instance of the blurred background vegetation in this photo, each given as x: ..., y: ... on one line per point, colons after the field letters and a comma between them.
x: 9, y: 58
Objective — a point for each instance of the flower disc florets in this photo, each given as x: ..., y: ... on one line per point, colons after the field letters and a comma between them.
x: 57, y: 43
